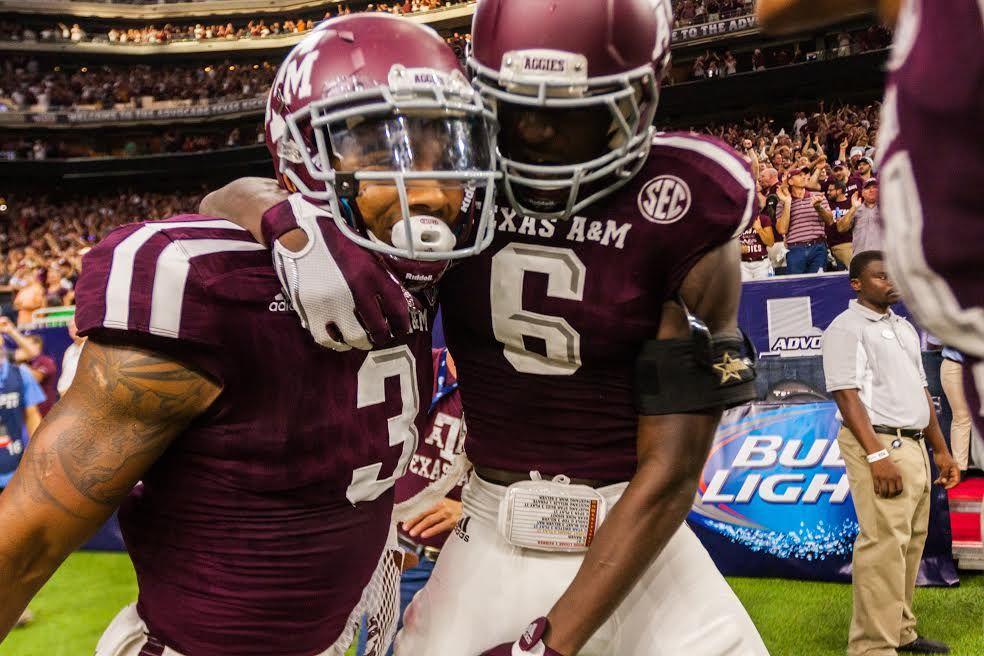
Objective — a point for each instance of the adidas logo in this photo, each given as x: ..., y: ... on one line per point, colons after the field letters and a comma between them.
x: 280, y: 304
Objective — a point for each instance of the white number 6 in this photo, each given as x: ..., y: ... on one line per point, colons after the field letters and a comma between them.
x: 510, y: 322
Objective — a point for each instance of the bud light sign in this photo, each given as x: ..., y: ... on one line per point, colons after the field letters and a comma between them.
x: 774, y: 498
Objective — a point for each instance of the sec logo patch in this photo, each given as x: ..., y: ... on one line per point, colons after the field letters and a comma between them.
x: 664, y: 199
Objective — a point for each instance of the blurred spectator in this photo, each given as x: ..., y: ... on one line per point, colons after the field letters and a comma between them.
x: 30, y: 297
x: 839, y: 233
x: 843, y: 174
x: 755, y: 242
x: 70, y: 361
x: 867, y: 220
x: 42, y: 367
x: 802, y: 217
x: 19, y: 417
x: 843, y: 44
x: 767, y: 189
x: 25, y: 349
x: 952, y: 380
x: 864, y: 171
x: 758, y: 60
x: 730, y: 63
x: 799, y: 123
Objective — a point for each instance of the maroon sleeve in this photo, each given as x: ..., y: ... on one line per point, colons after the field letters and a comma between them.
x: 140, y: 286
x: 722, y: 193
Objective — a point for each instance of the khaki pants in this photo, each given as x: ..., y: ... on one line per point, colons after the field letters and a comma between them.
x: 844, y: 253
x: 889, y: 546
x: 951, y: 376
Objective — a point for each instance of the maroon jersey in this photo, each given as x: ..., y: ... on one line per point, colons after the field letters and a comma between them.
x: 839, y: 208
x: 545, y: 325
x: 256, y: 531
x: 439, y: 443
x: 930, y: 168
x: 754, y: 248
x: 49, y: 382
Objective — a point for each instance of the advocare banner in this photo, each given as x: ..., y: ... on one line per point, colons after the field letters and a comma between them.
x: 713, y: 29
x: 787, y: 315
x: 774, y: 499
x: 106, y: 116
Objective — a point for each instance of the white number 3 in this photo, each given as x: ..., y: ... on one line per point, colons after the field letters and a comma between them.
x: 510, y: 322
x: 377, y: 367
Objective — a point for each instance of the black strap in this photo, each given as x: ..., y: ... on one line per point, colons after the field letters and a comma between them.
x: 913, y: 433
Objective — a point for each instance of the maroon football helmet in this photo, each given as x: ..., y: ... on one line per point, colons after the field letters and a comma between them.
x: 570, y: 72
x: 375, y: 99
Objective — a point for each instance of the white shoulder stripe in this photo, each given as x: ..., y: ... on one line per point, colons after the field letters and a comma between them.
x: 725, y: 160
x: 124, y: 256
x: 171, y: 276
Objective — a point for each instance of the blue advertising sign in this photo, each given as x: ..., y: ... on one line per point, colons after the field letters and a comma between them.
x: 786, y: 315
x: 774, y: 498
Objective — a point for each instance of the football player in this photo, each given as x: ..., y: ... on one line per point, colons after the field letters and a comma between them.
x: 596, y: 345
x: 266, y: 463
x: 929, y: 160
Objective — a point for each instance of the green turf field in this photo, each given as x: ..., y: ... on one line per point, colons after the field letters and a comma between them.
x: 796, y: 619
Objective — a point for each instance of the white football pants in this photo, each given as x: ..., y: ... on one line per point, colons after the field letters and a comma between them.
x: 484, y: 592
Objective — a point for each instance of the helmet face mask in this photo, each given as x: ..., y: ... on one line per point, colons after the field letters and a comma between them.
x: 602, y: 59
x: 390, y: 149
x: 612, y: 119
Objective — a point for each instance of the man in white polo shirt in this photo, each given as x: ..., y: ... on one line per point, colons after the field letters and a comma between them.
x: 873, y: 366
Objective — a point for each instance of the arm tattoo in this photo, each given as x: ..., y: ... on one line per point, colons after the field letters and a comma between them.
x: 124, y: 408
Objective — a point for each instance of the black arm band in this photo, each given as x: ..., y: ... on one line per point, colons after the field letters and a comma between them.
x: 696, y: 373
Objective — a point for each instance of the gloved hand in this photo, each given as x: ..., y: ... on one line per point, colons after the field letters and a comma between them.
x: 343, y: 293
x: 529, y: 644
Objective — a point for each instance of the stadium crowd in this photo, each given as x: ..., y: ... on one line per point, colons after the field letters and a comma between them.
x: 42, y: 233
x: 695, y: 12
x: 161, y: 34
x: 722, y: 63
x: 42, y: 241
x: 828, y: 155
x: 154, y: 34
x: 686, y: 13
x: 28, y: 82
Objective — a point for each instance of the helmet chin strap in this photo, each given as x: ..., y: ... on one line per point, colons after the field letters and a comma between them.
x: 349, y: 213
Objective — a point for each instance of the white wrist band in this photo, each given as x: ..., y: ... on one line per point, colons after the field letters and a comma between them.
x: 877, y: 455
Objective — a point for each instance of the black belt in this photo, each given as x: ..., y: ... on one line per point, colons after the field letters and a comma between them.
x: 811, y: 242
x: 422, y: 551
x: 764, y: 257
x: 914, y: 433
x: 506, y: 478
